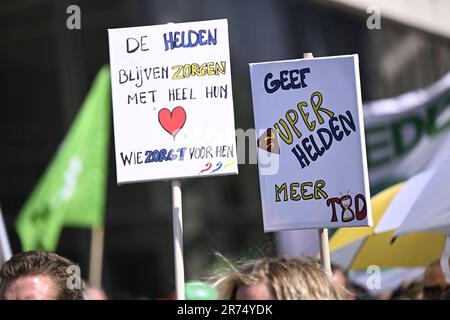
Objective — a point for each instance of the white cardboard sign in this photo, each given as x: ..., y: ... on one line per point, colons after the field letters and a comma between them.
x: 311, y: 148
x: 172, y: 101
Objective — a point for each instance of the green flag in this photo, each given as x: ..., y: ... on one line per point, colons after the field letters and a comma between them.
x: 72, y: 190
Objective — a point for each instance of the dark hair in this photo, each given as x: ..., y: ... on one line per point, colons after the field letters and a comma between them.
x: 41, y: 263
x: 407, y: 290
x: 335, y: 267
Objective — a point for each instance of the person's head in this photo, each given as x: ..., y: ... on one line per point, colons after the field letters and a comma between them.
x: 38, y: 275
x: 341, y: 280
x: 277, y: 279
x: 94, y: 293
x: 408, y: 290
x: 434, y: 285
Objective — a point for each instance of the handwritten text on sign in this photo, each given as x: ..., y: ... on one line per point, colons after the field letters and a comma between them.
x: 172, y: 101
x: 309, y: 116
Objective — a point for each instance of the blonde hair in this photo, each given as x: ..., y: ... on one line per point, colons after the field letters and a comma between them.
x: 287, y: 278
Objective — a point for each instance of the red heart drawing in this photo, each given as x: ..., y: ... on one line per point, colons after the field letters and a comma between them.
x: 173, y: 121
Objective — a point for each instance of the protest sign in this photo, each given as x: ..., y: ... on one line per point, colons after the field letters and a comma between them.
x: 405, y: 135
x: 173, y: 109
x: 172, y: 101
x: 309, y: 116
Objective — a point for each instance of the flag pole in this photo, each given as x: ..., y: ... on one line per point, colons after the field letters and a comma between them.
x: 323, y: 232
x: 96, y: 258
x: 177, y: 212
x: 5, y: 248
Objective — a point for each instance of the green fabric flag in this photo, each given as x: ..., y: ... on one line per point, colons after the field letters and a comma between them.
x: 72, y: 191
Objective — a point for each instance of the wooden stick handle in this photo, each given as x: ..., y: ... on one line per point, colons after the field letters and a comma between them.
x: 325, y: 251
x: 96, y: 259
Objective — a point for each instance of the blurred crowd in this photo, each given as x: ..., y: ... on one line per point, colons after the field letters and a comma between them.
x: 39, y: 275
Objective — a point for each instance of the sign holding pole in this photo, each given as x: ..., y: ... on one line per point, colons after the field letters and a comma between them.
x: 173, y: 109
x: 311, y: 149
x: 324, y: 245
